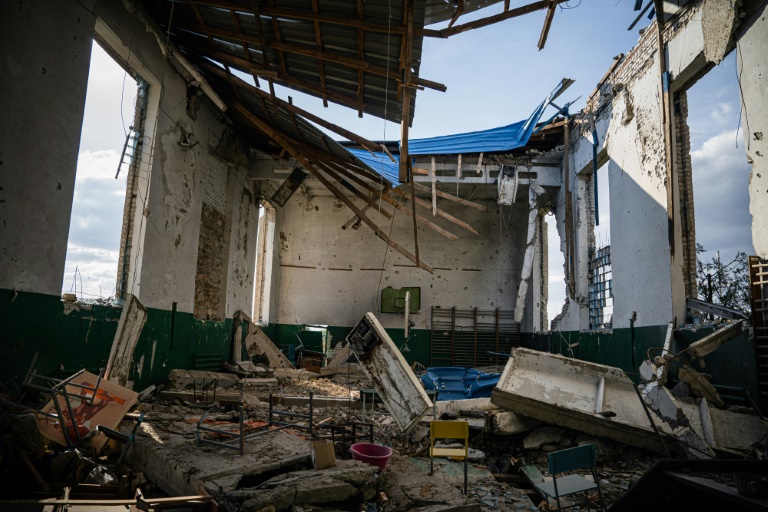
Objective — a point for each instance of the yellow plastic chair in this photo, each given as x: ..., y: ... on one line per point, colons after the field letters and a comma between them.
x: 444, y: 429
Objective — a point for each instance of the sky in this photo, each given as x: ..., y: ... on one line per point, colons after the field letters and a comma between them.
x: 495, y: 76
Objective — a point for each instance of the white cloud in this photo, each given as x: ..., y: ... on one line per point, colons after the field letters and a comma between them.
x: 721, y: 197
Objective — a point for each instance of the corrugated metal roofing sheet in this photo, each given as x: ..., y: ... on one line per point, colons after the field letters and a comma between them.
x: 228, y: 32
x: 502, y: 139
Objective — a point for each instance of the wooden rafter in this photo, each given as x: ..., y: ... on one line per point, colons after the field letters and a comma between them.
x: 440, y: 212
x: 319, y: 54
x: 459, y: 12
x: 547, y: 24
x: 252, y: 67
x: 236, y: 21
x: 319, y: 43
x: 290, y: 146
x: 361, y: 56
x: 451, y: 197
x: 275, y: 35
x: 385, y: 195
x: 335, y: 176
x: 405, y: 118
x: 507, y: 14
x: 308, y: 15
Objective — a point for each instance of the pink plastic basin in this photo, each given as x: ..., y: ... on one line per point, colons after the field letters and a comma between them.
x: 373, y: 454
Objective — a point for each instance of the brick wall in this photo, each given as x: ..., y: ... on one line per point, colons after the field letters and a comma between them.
x: 211, y: 265
x: 263, y: 245
x: 131, y: 197
x: 685, y: 183
x: 544, y: 258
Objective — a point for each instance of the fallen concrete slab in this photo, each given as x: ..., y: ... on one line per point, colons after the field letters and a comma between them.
x: 257, y: 343
x: 508, y: 423
x: 566, y: 392
x: 199, y: 380
x: 400, y: 390
x: 709, y: 344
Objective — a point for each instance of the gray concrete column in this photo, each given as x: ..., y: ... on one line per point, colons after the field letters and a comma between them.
x: 45, y: 53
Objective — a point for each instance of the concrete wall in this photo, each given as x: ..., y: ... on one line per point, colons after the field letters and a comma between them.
x: 652, y: 276
x: 45, y: 52
x: 752, y: 59
x: 185, y: 163
x: 341, y: 282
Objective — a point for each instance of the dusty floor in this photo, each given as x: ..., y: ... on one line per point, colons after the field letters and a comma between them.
x: 406, y: 485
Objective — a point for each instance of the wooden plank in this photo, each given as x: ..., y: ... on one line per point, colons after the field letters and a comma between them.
x: 319, y: 43
x: 434, y: 189
x: 490, y: 20
x: 251, y: 67
x: 386, y: 197
x: 367, y: 144
x: 357, y: 192
x: 288, y: 144
x: 451, y: 197
x: 405, y: 118
x: 318, y: 53
x: 440, y: 212
x: 307, y: 15
x: 547, y: 24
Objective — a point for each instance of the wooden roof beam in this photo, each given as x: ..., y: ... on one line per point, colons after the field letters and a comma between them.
x: 288, y: 144
x: 385, y: 196
x: 547, y: 24
x: 248, y: 67
x: 367, y: 144
x: 308, y: 15
x: 316, y: 53
x: 508, y: 14
x: 319, y: 43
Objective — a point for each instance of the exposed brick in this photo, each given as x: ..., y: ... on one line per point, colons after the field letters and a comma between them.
x: 210, y: 264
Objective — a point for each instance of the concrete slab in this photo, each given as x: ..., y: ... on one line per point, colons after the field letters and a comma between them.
x: 199, y: 380
x: 395, y: 382
x: 563, y: 391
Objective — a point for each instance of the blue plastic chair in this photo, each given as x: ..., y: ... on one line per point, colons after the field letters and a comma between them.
x: 569, y: 460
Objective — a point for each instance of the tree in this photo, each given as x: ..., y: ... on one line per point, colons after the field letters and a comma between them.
x: 726, y: 284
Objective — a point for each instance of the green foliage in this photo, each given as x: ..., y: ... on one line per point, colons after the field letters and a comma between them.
x: 726, y: 284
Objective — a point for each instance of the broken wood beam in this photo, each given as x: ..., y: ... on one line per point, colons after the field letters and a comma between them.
x: 354, y: 218
x: 451, y: 197
x: 251, y: 67
x: 547, y: 24
x: 356, y: 191
x: 440, y: 212
x: 384, y: 195
x: 307, y: 15
x: 490, y: 20
x: 289, y: 145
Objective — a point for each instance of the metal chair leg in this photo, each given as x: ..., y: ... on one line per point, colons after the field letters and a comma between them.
x: 465, y: 475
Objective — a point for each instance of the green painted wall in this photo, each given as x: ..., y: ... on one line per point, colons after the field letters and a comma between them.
x: 67, y: 340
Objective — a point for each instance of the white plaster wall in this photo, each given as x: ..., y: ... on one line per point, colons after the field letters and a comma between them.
x: 242, y: 255
x: 752, y: 58
x: 640, y: 253
x: 309, y: 233
x: 167, y: 227
x: 45, y: 52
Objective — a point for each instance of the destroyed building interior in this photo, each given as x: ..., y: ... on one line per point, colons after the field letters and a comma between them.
x: 305, y: 318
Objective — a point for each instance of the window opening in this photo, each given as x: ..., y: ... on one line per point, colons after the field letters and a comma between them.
x: 93, y: 245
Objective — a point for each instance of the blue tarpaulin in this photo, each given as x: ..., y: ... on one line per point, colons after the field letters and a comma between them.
x: 502, y: 139
x: 459, y: 383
